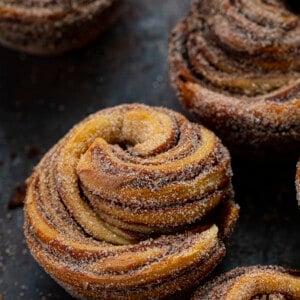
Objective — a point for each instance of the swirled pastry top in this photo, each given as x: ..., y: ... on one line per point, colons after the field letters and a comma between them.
x: 133, y: 203
x: 245, y: 47
x: 258, y: 282
x: 140, y: 169
x: 236, y: 65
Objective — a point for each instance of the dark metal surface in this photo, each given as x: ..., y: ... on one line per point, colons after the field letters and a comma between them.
x: 41, y: 98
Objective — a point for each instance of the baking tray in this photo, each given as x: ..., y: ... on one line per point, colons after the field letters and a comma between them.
x: 42, y: 98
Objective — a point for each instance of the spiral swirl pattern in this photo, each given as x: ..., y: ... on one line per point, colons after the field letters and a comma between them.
x: 48, y: 27
x: 134, y: 202
x: 258, y: 282
x: 236, y: 65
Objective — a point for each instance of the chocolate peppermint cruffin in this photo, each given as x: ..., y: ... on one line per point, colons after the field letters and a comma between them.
x: 236, y: 67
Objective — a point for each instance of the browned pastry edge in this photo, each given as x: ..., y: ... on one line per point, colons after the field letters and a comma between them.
x: 254, y: 282
x: 73, y: 252
x: 298, y: 182
x: 83, y: 286
x: 45, y: 32
x: 249, y: 126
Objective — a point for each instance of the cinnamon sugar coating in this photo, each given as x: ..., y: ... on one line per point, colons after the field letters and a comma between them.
x: 252, y: 283
x: 236, y: 66
x: 134, y: 202
x: 50, y: 27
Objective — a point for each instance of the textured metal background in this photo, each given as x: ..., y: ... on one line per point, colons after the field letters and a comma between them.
x: 40, y: 99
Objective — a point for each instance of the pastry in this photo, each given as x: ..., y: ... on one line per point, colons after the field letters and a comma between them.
x: 236, y: 66
x: 252, y: 283
x: 298, y: 182
x: 133, y: 203
x: 48, y: 27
